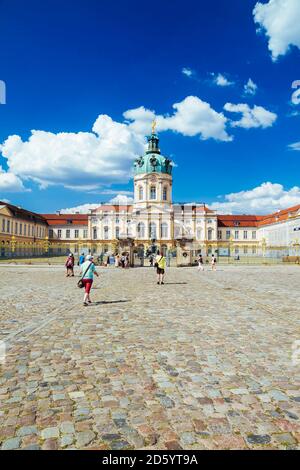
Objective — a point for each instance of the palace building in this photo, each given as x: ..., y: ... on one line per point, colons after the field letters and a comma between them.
x: 153, y: 221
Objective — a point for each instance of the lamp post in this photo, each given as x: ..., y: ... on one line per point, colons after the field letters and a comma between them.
x: 230, y: 247
x: 13, y: 245
x: 263, y: 246
x: 46, y: 245
x: 296, y: 245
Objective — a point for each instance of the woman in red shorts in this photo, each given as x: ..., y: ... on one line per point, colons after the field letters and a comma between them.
x: 88, y: 269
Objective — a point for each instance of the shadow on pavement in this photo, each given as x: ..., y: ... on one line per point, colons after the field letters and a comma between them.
x: 103, y: 302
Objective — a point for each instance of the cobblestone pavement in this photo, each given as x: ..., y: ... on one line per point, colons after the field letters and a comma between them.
x: 203, y: 362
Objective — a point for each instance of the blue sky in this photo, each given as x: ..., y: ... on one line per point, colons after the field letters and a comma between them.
x: 67, y: 63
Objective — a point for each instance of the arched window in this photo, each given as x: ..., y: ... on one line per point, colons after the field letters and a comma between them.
x: 106, y: 233
x: 210, y: 233
x: 117, y: 232
x: 164, y: 230
x: 141, y: 193
x: 153, y: 192
x: 141, y: 230
x: 94, y: 233
x: 165, y: 193
x: 152, y: 230
x: 199, y: 233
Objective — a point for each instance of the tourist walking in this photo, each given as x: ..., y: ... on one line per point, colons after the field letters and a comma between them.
x: 88, y: 269
x: 200, y: 263
x: 117, y: 261
x: 213, y: 263
x: 70, y: 265
x: 160, y: 264
x: 81, y: 259
x: 123, y: 260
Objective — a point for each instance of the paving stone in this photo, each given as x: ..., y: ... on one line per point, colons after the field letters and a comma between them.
x: 84, y: 438
x: 259, y: 439
x: 27, y: 430
x: 50, y: 433
x: 11, y: 444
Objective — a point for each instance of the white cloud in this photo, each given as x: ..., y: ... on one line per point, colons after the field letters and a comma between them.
x: 250, y: 88
x: 255, y: 117
x: 221, y: 80
x: 10, y: 183
x: 82, y: 209
x: 187, y: 71
x: 89, y: 161
x: 191, y: 117
x: 264, y: 199
x: 280, y: 19
x: 295, y: 146
x: 82, y: 161
x: 120, y: 199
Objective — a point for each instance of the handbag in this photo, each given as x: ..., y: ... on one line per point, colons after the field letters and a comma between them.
x: 80, y: 282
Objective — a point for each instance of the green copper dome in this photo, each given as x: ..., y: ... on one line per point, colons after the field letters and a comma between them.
x: 153, y: 161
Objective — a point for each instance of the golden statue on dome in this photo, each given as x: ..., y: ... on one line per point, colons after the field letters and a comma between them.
x: 154, y: 124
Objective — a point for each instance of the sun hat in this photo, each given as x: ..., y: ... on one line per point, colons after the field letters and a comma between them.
x: 89, y: 257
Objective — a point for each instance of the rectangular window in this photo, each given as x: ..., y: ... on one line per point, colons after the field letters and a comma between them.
x: 253, y: 235
x: 220, y: 234
x: 25, y: 230
x: 245, y: 250
x: 68, y: 233
x: 76, y: 233
x: 254, y: 250
x: 8, y: 226
x: 153, y: 192
x: 51, y: 233
x: 227, y: 234
x: 94, y: 233
x: 58, y: 233
x: 21, y: 229
x: 236, y: 234
x: 3, y: 225
x: 16, y: 228
x: 245, y: 234
x: 85, y: 233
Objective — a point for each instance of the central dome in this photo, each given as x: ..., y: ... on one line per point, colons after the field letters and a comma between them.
x: 153, y: 161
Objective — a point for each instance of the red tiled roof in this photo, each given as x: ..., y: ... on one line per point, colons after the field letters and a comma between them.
x: 279, y: 216
x: 66, y: 219
x: 24, y: 214
x: 239, y: 220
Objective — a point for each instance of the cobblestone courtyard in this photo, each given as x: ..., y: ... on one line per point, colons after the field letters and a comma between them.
x: 203, y: 362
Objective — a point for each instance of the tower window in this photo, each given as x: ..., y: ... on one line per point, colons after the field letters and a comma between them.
x: 164, y: 230
x: 153, y: 192
x: 141, y: 193
x: 141, y: 230
x: 152, y: 230
x: 165, y: 193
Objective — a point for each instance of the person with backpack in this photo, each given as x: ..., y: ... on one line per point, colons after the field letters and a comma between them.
x: 200, y: 263
x: 213, y: 263
x: 160, y: 264
x: 70, y: 265
x: 88, y: 269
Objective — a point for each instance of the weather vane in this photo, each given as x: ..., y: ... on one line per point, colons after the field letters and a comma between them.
x: 154, y: 124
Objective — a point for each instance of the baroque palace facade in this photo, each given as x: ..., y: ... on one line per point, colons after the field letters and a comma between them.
x: 151, y: 222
